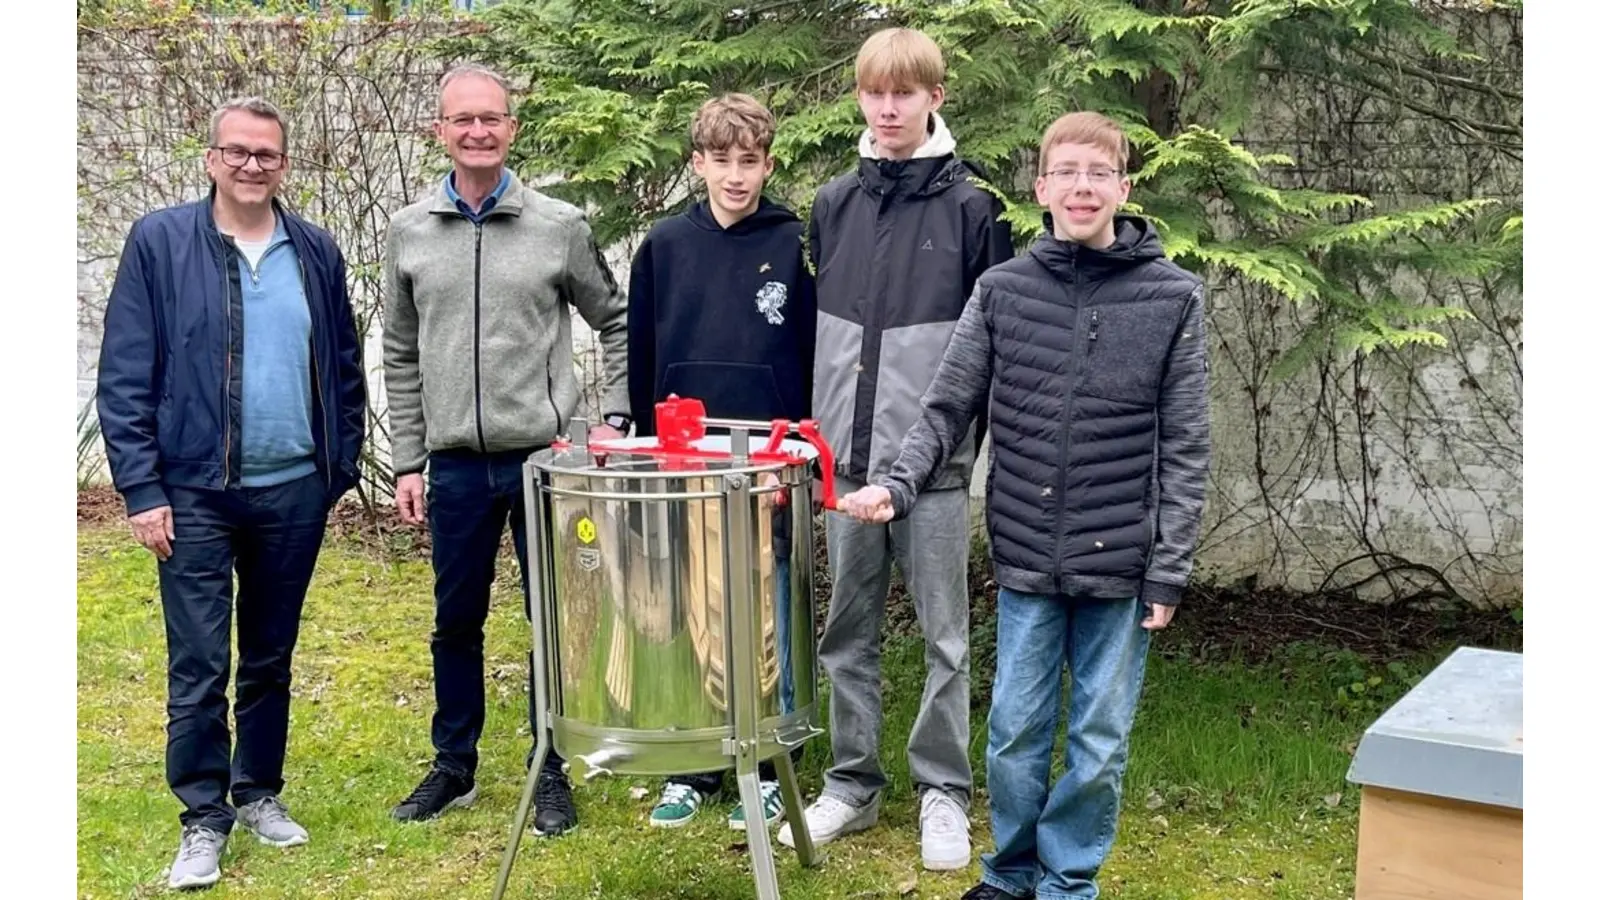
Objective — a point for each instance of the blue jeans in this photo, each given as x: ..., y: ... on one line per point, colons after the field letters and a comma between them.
x: 1051, y: 840
x: 471, y: 499
x: 782, y: 612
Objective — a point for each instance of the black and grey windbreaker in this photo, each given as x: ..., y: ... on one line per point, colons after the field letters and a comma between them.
x: 897, y: 245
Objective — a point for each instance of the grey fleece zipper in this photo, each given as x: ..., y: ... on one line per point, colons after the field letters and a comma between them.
x: 477, y: 332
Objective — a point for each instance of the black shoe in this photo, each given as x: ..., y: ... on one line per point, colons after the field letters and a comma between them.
x: 440, y: 790
x: 552, y: 798
x: 990, y: 892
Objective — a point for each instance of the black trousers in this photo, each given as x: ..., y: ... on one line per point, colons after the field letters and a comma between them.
x: 270, y: 537
x: 471, y: 497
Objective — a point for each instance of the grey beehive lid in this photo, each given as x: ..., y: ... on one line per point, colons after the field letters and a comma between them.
x: 1457, y: 734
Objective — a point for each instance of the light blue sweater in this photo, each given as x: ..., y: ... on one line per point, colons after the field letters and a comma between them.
x: 276, y: 419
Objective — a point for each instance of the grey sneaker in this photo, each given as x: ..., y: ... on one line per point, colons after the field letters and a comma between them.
x: 199, y: 858
x: 269, y: 820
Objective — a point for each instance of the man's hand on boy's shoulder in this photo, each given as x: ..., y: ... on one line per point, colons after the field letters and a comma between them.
x: 1160, y: 616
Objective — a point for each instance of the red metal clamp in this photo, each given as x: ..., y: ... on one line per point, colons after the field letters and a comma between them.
x: 680, y: 421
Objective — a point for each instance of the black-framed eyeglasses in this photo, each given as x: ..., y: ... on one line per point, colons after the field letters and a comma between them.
x: 237, y: 157
x: 489, y: 120
x: 1097, y: 176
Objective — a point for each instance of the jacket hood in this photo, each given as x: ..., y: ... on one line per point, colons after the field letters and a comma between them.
x: 1136, y: 242
x: 766, y: 215
x: 940, y: 143
x: 930, y: 170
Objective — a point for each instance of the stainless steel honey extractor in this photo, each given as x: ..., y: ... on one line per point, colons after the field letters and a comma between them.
x: 673, y: 632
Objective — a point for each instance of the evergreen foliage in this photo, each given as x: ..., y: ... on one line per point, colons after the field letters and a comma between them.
x: 612, y: 85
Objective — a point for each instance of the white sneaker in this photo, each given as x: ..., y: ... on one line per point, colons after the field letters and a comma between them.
x: 831, y: 817
x: 946, y: 840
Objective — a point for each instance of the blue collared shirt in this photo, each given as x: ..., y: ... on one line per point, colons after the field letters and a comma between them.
x: 489, y: 202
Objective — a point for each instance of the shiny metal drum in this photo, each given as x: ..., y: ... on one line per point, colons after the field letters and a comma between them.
x: 643, y: 559
x: 674, y: 625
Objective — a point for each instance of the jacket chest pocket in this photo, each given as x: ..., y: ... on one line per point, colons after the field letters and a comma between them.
x: 1125, y: 350
x: 934, y: 263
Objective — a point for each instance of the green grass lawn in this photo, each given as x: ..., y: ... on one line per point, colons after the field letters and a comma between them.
x: 1235, y: 788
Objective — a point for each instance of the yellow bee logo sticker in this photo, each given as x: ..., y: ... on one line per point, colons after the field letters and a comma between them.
x: 586, y: 530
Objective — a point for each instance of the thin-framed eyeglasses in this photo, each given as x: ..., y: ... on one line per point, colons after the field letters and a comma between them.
x: 489, y: 120
x: 238, y: 157
x: 1098, y: 176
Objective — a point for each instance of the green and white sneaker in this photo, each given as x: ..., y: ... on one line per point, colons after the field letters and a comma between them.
x: 677, y: 806
x: 771, y: 807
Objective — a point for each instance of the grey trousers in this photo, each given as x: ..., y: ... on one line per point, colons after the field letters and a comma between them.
x: 931, y: 546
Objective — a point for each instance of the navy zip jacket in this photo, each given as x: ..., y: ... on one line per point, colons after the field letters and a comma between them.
x: 171, y: 361
x: 726, y: 316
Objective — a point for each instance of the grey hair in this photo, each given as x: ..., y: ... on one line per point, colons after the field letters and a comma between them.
x: 472, y: 70
x: 258, y: 106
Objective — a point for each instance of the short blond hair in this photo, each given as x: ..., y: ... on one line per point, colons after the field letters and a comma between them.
x: 730, y: 122
x: 898, y: 58
x: 1090, y: 128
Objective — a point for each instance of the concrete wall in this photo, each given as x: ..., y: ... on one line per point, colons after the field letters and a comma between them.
x: 1404, y: 460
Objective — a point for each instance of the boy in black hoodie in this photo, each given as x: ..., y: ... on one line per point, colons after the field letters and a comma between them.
x: 721, y: 308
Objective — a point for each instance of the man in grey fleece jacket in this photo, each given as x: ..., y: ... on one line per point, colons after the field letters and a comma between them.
x: 1090, y: 350
x: 481, y: 277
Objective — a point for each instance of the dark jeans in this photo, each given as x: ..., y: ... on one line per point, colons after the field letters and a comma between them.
x: 271, y: 538
x: 710, y: 783
x: 470, y: 498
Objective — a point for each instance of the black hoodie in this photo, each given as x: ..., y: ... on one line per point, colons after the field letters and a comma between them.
x: 726, y: 316
x: 1094, y: 366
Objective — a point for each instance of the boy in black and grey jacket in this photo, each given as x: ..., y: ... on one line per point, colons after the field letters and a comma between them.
x: 897, y: 244
x: 1093, y: 345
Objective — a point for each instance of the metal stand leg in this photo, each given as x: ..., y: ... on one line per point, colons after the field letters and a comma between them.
x: 762, y: 861
x: 794, y: 812
x: 746, y: 683
x: 539, y: 619
x: 520, y: 824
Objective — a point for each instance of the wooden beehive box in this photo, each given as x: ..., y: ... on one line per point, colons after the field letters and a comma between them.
x: 1441, y: 786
